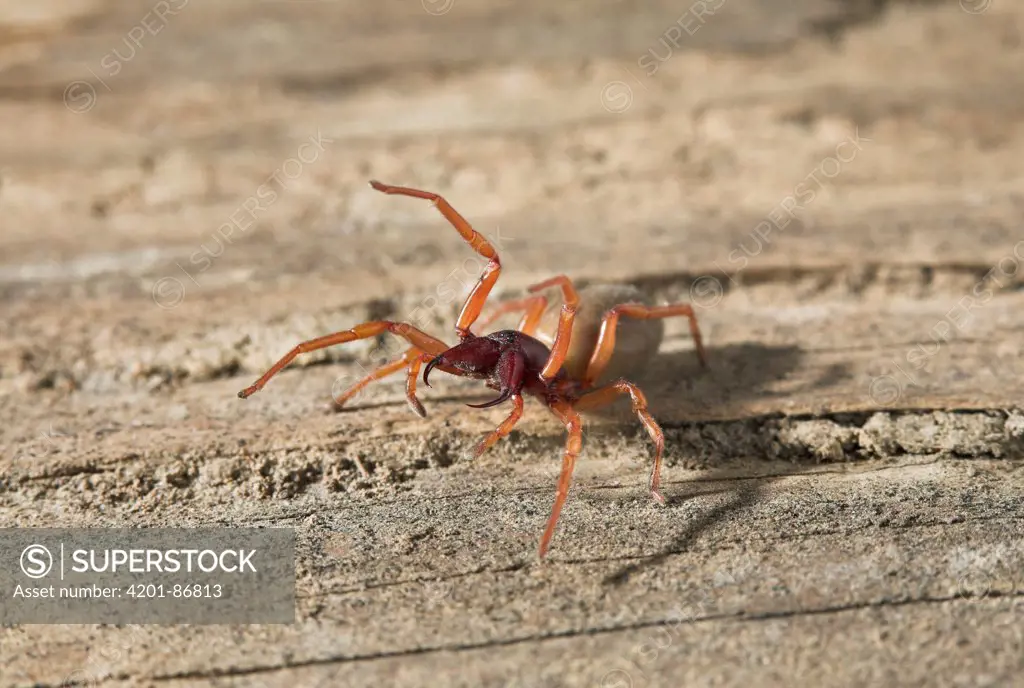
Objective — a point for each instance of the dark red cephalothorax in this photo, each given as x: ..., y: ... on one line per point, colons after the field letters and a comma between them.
x: 514, y: 362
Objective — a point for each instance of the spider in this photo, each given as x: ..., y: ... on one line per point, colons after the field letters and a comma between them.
x: 562, y: 370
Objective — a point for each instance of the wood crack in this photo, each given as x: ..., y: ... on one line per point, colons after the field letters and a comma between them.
x: 571, y: 633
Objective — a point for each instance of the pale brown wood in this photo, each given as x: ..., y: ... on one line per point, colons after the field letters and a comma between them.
x: 836, y: 191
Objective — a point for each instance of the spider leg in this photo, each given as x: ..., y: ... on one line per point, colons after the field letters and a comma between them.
x: 503, y: 429
x: 410, y: 385
x: 573, y: 445
x: 412, y: 359
x: 560, y: 347
x: 606, y: 395
x: 533, y: 305
x: 376, y: 374
x: 475, y: 302
x: 606, y: 338
x: 416, y: 337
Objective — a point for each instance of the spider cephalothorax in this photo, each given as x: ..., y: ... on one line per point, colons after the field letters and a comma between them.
x: 509, y: 360
x: 560, y: 365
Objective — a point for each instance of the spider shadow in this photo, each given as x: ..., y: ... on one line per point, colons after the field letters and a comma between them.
x: 737, y: 382
x: 678, y: 387
x: 753, y: 488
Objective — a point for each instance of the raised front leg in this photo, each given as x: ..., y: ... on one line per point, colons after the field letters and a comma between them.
x: 475, y: 302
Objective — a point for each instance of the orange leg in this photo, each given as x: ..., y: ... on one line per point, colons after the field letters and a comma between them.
x: 505, y: 427
x: 573, y: 445
x: 419, y: 339
x: 606, y: 338
x: 376, y: 374
x: 560, y: 346
x: 411, y: 358
x: 410, y: 385
x: 475, y: 303
x: 606, y: 395
x: 533, y: 305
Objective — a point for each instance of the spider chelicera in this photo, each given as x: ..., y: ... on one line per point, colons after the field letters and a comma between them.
x: 562, y: 370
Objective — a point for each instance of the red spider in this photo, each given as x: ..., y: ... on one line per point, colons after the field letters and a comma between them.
x: 515, y: 361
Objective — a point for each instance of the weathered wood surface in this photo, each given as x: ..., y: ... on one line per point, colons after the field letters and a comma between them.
x: 844, y: 482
